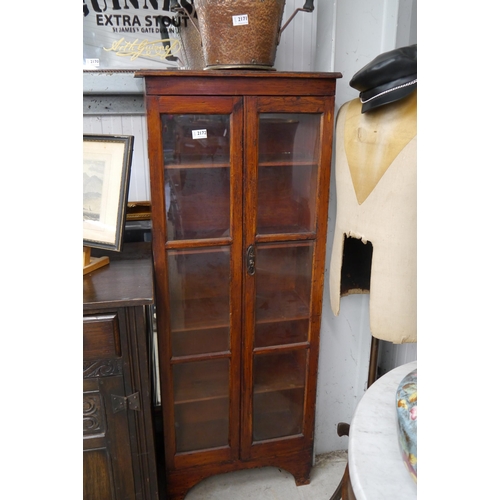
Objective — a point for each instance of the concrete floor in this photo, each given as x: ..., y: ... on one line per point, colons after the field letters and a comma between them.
x: 270, y: 483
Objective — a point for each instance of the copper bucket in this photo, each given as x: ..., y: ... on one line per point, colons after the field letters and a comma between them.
x: 242, y: 34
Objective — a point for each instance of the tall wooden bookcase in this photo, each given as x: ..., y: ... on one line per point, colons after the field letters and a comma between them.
x: 240, y: 173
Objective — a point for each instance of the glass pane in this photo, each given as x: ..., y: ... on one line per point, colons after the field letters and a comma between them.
x: 197, y: 176
x: 283, y: 292
x: 278, y: 400
x: 199, y: 300
x: 288, y: 172
x: 281, y: 332
x: 189, y: 139
x: 201, y: 404
x: 197, y: 203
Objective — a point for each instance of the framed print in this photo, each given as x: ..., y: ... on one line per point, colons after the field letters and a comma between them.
x: 106, y: 171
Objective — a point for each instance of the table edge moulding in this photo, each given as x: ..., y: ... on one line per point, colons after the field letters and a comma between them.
x: 239, y: 224
x: 376, y: 467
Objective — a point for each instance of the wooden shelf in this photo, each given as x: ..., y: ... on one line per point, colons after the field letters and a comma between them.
x: 201, y: 381
x: 277, y: 415
x: 212, y: 313
x: 284, y: 204
x: 264, y: 162
x: 280, y: 161
x: 202, y: 424
x: 279, y: 372
x: 202, y: 436
x: 280, y: 306
x: 198, y: 202
x: 197, y: 164
x: 288, y: 230
x: 202, y: 341
x: 199, y: 314
x: 280, y: 332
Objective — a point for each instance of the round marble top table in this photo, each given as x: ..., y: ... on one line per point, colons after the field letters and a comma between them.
x: 376, y: 467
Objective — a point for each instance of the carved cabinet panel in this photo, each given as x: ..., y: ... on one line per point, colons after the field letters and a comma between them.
x: 118, y: 443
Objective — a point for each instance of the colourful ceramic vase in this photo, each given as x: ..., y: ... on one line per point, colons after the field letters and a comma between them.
x: 406, y: 405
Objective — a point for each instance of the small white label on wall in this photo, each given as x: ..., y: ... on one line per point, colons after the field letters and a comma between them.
x: 240, y: 20
x: 199, y: 134
x: 94, y: 63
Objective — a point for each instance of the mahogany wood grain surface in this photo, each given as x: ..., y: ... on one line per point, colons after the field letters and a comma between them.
x: 227, y: 82
x: 119, y: 461
x: 126, y: 281
x: 240, y: 173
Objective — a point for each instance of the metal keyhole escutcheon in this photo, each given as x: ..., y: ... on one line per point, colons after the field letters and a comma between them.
x: 251, y: 260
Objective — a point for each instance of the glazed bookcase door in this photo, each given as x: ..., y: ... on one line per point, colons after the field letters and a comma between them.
x: 286, y: 176
x: 197, y: 249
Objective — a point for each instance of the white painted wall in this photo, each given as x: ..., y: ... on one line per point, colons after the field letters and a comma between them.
x: 139, y: 187
x: 297, y: 47
x: 340, y: 35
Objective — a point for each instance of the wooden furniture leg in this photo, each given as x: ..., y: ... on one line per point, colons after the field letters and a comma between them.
x: 337, y: 495
x: 372, y: 369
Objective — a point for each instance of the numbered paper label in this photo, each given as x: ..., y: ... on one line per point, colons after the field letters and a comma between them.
x: 199, y: 134
x: 240, y: 20
x: 91, y: 62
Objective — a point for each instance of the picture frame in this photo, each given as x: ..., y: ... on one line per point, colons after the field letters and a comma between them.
x: 107, y: 161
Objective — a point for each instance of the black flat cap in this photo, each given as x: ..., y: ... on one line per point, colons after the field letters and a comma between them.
x: 388, y: 78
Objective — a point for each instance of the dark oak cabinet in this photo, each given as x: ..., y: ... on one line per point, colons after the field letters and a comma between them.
x: 240, y: 172
x: 119, y: 460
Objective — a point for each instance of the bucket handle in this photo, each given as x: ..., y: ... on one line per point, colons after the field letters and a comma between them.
x: 177, y: 8
x: 308, y: 7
